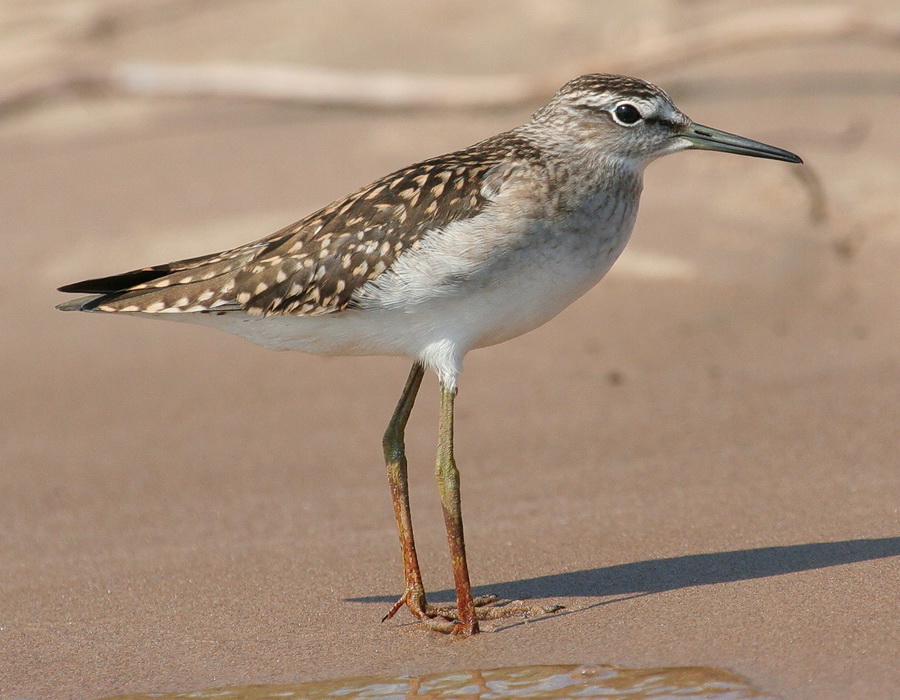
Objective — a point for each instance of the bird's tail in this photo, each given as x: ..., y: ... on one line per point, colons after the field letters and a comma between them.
x: 196, y: 284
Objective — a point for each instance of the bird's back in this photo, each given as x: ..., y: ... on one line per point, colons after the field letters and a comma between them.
x: 315, y: 265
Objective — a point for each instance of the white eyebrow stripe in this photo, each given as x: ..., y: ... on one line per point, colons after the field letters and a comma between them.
x: 609, y: 101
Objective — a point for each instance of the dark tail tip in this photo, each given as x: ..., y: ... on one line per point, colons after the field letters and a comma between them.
x: 80, y: 304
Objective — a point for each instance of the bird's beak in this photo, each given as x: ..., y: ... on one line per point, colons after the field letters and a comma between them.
x: 708, y: 139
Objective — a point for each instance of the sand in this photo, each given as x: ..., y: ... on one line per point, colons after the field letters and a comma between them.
x: 699, y: 459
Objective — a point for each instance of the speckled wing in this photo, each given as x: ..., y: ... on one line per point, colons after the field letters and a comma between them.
x: 315, y: 265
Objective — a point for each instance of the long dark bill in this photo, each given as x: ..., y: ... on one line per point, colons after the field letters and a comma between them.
x: 709, y: 139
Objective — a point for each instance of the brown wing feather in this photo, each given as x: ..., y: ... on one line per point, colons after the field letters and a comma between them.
x: 315, y: 265
x: 333, y: 253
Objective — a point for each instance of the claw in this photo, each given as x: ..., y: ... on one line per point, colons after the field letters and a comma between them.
x: 414, y: 599
x: 393, y: 611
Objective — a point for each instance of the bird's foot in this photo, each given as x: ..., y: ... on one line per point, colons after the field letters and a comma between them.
x: 489, y: 607
x: 444, y: 617
x: 503, y: 609
x: 414, y: 599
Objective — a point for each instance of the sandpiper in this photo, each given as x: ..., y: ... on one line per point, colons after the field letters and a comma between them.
x: 457, y: 252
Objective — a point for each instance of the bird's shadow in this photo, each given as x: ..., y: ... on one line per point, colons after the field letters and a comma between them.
x: 657, y: 575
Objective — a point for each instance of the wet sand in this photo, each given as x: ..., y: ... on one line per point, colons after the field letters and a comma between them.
x: 539, y: 682
x: 698, y: 459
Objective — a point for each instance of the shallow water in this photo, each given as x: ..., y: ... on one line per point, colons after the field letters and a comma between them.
x: 513, y: 682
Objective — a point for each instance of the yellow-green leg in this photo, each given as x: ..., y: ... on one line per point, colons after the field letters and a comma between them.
x: 395, y: 458
x: 448, y: 484
x: 461, y: 618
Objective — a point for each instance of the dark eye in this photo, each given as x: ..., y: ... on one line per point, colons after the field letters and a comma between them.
x: 627, y: 114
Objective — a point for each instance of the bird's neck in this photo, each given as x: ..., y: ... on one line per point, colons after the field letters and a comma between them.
x: 591, y: 180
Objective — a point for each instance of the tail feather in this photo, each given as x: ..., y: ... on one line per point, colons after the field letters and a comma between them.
x: 78, y: 304
x: 116, y: 283
x: 187, y: 285
x: 143, y: 276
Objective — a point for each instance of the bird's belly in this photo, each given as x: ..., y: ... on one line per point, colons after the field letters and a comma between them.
x: 518, y: 293
x: 490, y: 314
x: 479, y: 320
x: 341, y: 333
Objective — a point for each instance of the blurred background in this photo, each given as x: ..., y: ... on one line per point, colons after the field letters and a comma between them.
x: 733, y: 383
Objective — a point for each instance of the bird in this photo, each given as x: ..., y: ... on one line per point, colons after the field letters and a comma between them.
x: 457, y: 252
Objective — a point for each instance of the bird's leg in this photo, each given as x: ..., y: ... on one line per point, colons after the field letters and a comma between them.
x: 459, y: 618
x: 448, y: 485
x: 395, y: 458
x: 463, y: 619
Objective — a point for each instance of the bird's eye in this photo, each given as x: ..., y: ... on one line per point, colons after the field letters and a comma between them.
x: 626, y: 114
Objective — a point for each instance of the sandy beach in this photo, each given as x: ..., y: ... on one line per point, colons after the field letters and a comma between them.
x: 699, y: 458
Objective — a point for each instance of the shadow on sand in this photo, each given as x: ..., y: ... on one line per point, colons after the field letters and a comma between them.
x: 657, y: 575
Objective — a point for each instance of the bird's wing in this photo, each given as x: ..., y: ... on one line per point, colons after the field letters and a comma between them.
x: 315, y: 265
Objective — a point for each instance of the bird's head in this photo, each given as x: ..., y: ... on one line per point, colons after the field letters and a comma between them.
x: 632, y: 120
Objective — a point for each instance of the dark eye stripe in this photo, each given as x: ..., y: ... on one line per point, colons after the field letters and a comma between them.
x: 660, y: 121
x: 597, y: 109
